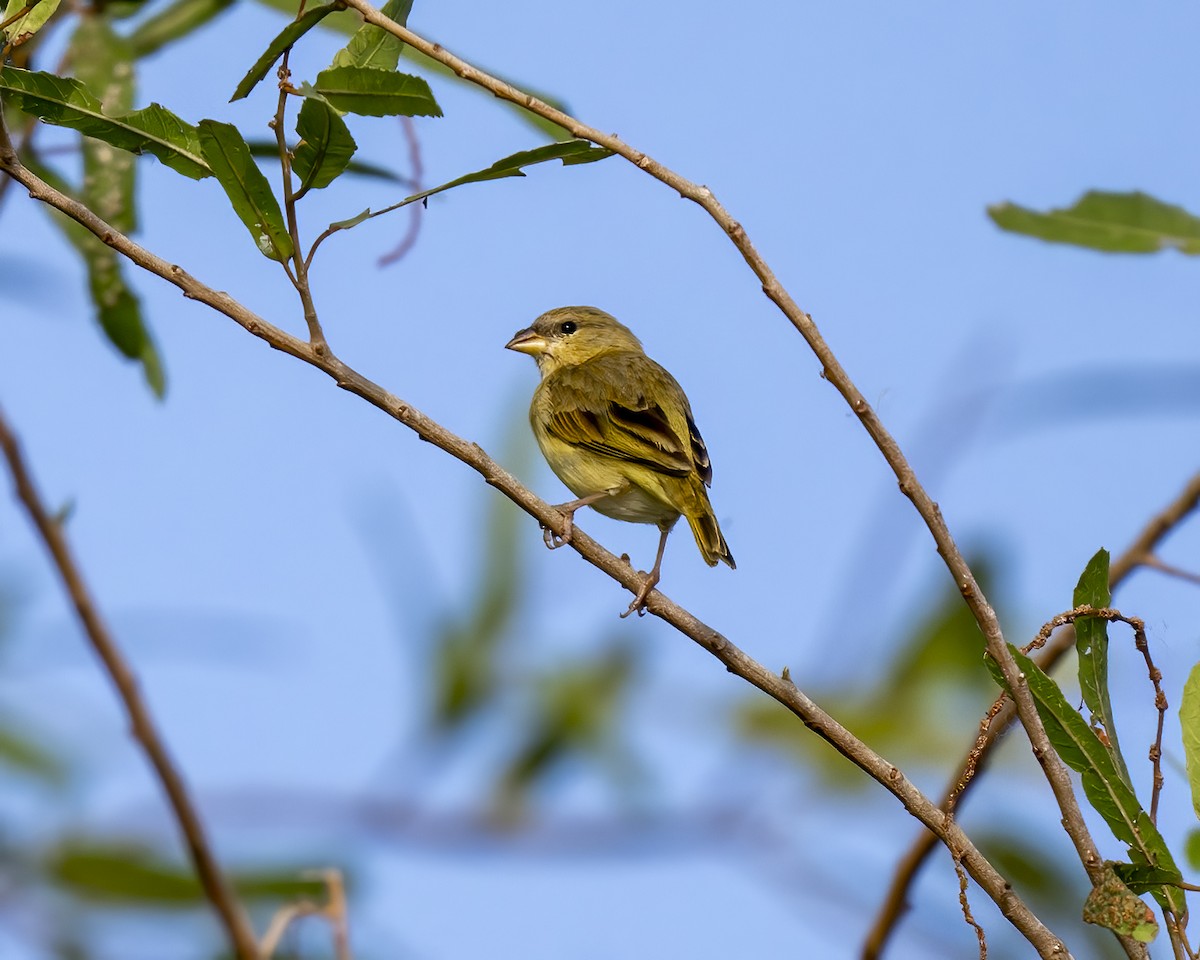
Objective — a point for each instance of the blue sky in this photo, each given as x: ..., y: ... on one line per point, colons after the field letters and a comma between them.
x: 232, y: 533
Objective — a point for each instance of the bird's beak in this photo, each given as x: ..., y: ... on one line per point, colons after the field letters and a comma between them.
x: 527, y: 341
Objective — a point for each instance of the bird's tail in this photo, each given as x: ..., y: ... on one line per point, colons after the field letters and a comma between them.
x: 708, y: 534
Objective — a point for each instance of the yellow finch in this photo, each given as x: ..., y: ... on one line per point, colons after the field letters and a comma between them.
x: 618, y: 431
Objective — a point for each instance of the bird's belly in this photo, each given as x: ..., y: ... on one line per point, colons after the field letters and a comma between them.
x: 586, y: 473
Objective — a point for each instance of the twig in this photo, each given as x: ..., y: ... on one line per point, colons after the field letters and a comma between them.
x: 1150, y: 560
x: 334, y: 911
x: 1160, y: 704
x: 1143, y: 546
x: 299, y: 279
x: 735, y: 660
x: 965, y: 905
x: 141, y: 723
x: 418, y: 175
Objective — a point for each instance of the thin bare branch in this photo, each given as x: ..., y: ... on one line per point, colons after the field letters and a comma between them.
x: 1150, y: 560
x: 141, y: 722
x: 735, y: 660
x: 965, y: 905
x: 1134, y: 556
x: 333, y: 911
x: 299, y: 278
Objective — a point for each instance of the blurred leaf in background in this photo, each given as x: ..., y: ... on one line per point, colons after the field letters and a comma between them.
x: 926, y: 706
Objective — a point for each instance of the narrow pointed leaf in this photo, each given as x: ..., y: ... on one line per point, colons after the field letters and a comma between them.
x: 570, y: 152
x: 173, y: 23
x: 1112, y: 222
x: 23, y: 754
x: 352, y: 221
x: 118, y: 310
x: 1091, y: 645
x: 1189, y: 721
x: 325, y: 146
x: 123, y: 874
x: 348, y: 24
x: 232, y: 164
x: 376, y: 93
x: 68, y: 103
x: 24, y: 28
x: 104, y: 63
x: 283, y: 40
x: 375, y: 48
x: 1103, y: 786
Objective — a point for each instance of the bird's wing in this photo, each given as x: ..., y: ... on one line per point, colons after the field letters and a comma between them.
x: 699, y: 451
x: 602, y: 406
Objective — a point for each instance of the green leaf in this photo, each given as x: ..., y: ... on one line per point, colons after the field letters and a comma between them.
x: 123, y: 874
x: 229, y: 158
x: 1141, y: 879
x: 118, y: 310
x: 352, y: 221
x: 1191, y: 848
x: 1113, y: 905
x: 1113, y: 222
x: 570, y: 152
x: 1091, y: 644
x: 348, y: 24
x: 173, y: 23
x: 325, y: 147
x: 103, y: 63
x: 577, y: 713
x: 375, y: 48
x: 23, y: 29
x: 23, y: 754
x: 1189, y: 721
x: 1109, y: 794
x: 283, y: 41
x: 68, y: 103
x: 376, y: 93
x: 269, y: 150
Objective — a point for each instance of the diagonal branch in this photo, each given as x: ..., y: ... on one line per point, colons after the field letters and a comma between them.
x: 141, y: 723
x: 1054, y: 769
x: 735, y: 660
x: 1137, y: 554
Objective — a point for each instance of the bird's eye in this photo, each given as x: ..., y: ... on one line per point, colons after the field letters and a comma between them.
x: 569, y: 326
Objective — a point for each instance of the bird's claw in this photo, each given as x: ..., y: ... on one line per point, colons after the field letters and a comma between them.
x: 555, y: 540
x: 639, y: 602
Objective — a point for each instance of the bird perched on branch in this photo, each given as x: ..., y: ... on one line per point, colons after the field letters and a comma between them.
x: 617, y: 429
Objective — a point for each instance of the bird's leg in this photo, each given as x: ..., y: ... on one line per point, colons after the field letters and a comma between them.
x: 639, y: 602
x: 552, y: 539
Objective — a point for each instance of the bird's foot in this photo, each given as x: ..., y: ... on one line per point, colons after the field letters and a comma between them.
x: 555, y: 540
x: 639, y: 602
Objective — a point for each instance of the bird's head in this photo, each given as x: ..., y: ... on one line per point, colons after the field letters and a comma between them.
x: 569, y: 336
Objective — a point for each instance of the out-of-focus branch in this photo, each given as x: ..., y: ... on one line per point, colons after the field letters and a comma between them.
x: 735, y: 660
x: 334, y: 911
x: 1137, y: 554
x: 141, y: 723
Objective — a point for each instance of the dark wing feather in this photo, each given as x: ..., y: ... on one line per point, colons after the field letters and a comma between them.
x: 605, y: 410
x: 699, y: 451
